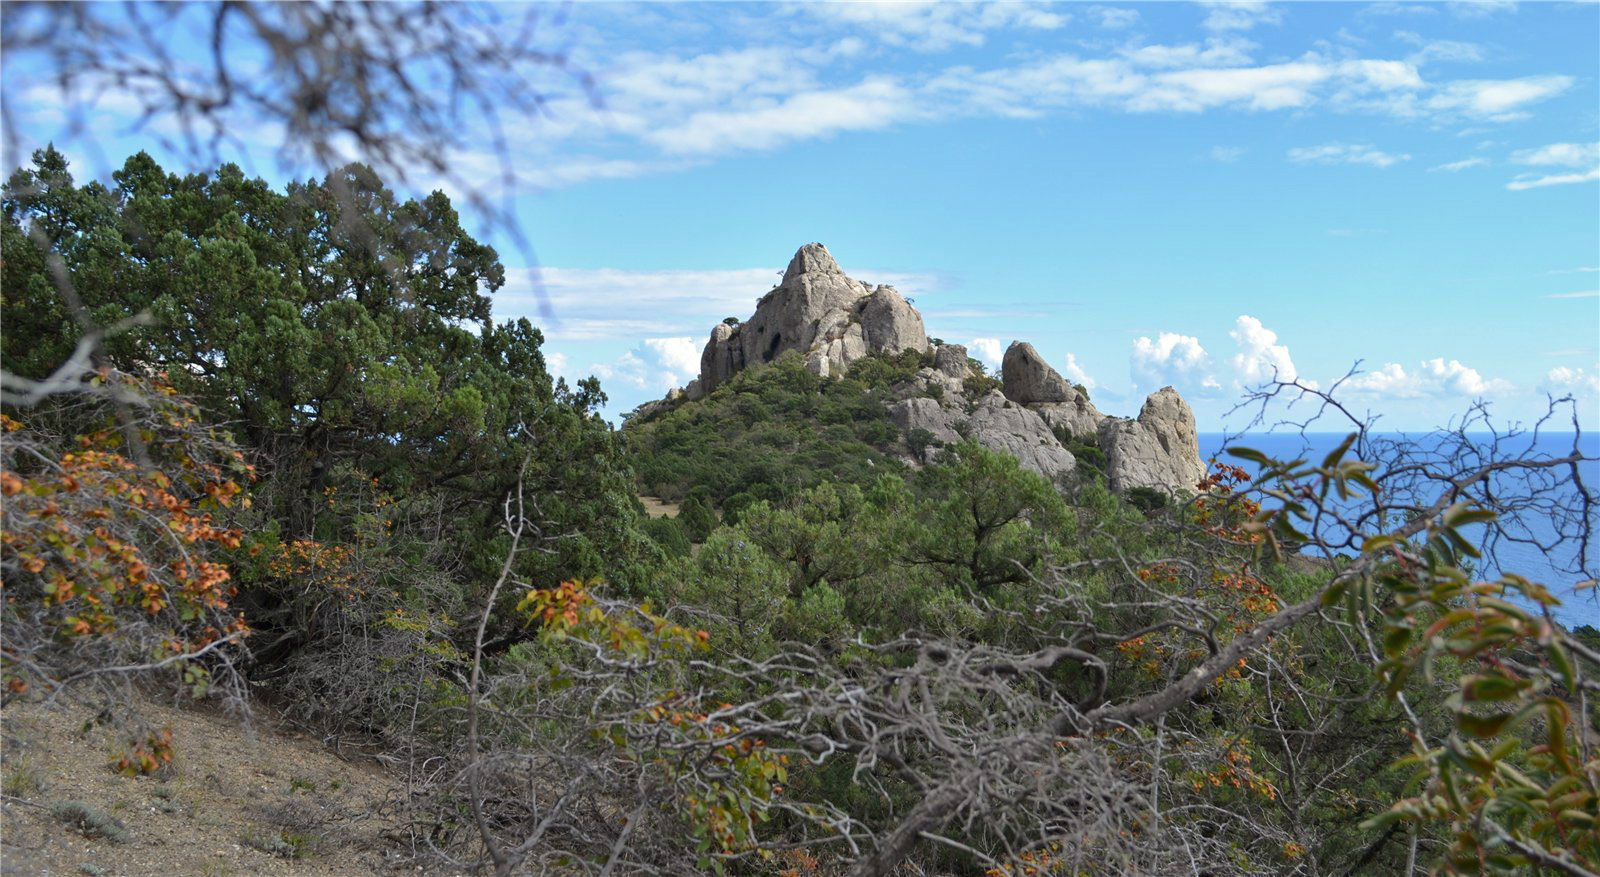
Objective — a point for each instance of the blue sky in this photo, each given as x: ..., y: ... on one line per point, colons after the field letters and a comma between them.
x: 1152, y: 194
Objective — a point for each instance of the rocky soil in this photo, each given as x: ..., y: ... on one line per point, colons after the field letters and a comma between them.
x: 237, y: 800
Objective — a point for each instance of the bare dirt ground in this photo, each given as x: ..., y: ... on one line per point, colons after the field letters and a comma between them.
x: 655, y: 507
x: 236, y: 800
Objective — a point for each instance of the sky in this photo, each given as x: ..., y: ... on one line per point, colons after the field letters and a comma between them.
x: 1397, y: 201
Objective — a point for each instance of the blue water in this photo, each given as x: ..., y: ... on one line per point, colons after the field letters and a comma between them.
x: 1558, y: 568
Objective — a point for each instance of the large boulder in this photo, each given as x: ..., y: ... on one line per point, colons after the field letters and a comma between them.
x: 1160, y: 450
x: 891, y: 324
x: 1026, y: 377
x: 951, y: 359
x: 818, y: 310
x: 723, y: 355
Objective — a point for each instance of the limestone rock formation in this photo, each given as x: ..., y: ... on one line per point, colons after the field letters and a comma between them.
x: 951, y: 359
x: 819, y: 311
x: 994, y: 423
x: 1159, y: 450
x: 833, y: 321
x: 1026, y: 378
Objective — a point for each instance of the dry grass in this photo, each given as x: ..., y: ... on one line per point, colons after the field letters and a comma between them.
x: 655, y: 507
x: 235, y: 801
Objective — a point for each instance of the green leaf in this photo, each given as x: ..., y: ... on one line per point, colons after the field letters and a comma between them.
x: 1338, y: 453
x: 1251, y: 454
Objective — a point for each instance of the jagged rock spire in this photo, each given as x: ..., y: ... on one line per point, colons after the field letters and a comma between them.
x: 811, y: 259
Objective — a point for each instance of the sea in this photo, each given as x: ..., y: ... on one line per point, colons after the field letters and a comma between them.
x: 1553, y: 568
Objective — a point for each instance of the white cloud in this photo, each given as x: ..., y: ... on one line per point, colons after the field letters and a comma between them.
x: 628, y: 370
x: 1498, y: 100
x: 1530, y: 181
x: 1075, y: 373
x: 590, y: 304
x: 1345, y: 153
x: 1172, y: 359
x: 1113, y: 18
x: 987, y: 349
x: 1227, y: 153
x: 1260, y: 358
x: 936, y: 26
x: 1563, y: 154
x: 1461, y: 165
x: 1438, y: 50
x: 555, y: 363
x: 1585, y: 156
x: 872, y: 104
x: 1434, y: 378
x: 1563, y: 379
x: 1239, y: 14
x: 680, y: 355
x: 1481, y: 8
x: 1217, y: 52
x: 1583, y: 293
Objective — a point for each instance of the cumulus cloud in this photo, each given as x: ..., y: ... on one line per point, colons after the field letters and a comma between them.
x: 986, y: 349
x: 679, y: 356
x: 1345, y: 153
x: 1227, y: 154
x: 1563, y: 380
x: 1172, y: 359
x: 1075, y: 373
x: 1260, y: 358
x: 1433, y: 378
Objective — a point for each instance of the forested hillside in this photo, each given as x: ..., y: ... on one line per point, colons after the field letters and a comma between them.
x: 268, y: 445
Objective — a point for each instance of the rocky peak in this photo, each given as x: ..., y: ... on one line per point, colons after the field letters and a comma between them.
x: 833, y: 321
x: 1159, y: 450
x: 818, y: 310
x: 811, y: 259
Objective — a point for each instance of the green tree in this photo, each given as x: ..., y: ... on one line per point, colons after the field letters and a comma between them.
x: 345, y: 333
x: 987, y: 522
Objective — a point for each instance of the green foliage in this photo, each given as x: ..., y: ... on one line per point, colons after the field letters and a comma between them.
x: 670, y: 534
x: 347, y: 335
x: 989, y: 522
x: 1148, y: 499
x: 696, y: 518
x: 772, y: 431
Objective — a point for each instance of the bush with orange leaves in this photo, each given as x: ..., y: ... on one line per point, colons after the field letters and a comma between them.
x: 119, y: 517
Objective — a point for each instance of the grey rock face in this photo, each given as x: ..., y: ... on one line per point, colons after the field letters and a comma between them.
x: 1159, y: 450
x: 1008, y: 427
x: 892, y: 325
x: 952, y: 360
x: 1078, y: 417
x: 994, y: 424
x: 1027, y: 378
x: 821, y: 312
